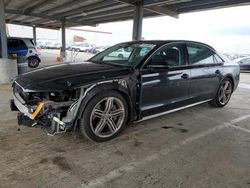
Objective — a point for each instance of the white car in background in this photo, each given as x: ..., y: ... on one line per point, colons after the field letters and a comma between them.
x: 85, y: 47
x: 24, y: 47
x: 120, y: 53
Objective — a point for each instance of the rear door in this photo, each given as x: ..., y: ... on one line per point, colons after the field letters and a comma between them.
x: 165, y: 80
x: 206, y: 71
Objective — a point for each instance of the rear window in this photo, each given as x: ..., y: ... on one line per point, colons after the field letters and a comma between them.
x: 199, y: 54
x: 13, y: 43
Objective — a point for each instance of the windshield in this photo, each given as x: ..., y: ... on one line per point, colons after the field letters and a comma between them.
x: 126, y: 54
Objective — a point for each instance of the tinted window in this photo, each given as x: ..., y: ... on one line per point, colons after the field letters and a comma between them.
x: 22, y: 44
x: 13, y: 43
x: 168, y: 56
x: 125, y: 54
x: 199, y: 54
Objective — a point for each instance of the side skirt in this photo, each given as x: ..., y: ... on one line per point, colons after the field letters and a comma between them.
x: 171, y: 111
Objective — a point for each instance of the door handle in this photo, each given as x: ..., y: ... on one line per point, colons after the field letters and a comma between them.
x: 185, y: 76
x: 217, y: 72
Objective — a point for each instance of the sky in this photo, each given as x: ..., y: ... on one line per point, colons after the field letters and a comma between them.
x: 227, y: 30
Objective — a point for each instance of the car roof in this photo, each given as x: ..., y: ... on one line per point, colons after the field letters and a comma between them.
x: 162, y: 42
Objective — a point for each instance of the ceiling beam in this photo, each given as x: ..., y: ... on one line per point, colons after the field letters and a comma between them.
x: 30, y: 25
x: 82, y: 9
x: 37, y: 5
x: 122, y: 18
x: 38, y: 15
x: 153, y: 8
x: 195, y: 3
x: 119, y: 16
x: 106, y: 13
x: 65, y: 5
x: 153, y: 2
x: 162, y: 11
x: 205, y: 5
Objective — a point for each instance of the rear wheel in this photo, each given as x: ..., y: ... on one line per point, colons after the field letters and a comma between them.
x: 33, y: 62
x: 223, y: 94
x: 104, y: 117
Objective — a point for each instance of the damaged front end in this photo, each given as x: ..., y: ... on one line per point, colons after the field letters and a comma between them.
x: 53, y: 111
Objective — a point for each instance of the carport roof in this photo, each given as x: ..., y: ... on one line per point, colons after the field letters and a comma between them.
x: 50, y: 13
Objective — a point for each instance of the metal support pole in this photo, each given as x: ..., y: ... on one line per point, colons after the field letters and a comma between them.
x: 3, y: 41
x: 137, y: 24
x: 63, y: 48
x: 34, y: 35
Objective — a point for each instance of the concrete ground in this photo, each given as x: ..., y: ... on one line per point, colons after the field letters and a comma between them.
x: 200, y: 147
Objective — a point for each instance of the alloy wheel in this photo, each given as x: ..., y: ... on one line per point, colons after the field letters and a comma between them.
x: 107, y: 117
x: 225, y: 92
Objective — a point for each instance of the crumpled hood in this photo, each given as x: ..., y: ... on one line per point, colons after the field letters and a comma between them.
x: 69, y: 75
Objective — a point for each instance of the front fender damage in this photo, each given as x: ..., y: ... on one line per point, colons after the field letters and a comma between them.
x: 58, y: 117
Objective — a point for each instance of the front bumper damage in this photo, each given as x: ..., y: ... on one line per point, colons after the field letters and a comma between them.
x: 47, y: 114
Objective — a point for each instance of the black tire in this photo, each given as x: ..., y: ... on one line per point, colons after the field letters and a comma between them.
x: 33, y: 62
x: 217, y: 101
x: 86, y: 122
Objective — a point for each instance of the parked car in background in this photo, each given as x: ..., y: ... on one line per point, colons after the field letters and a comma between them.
x: 244, y: 63
x: 24, y: 47
x: 100, y: 49
x: 84, y: 47
x: 121, y: 53
x: 49, y: 45
x: 57, y: 45
x: 102, y: 95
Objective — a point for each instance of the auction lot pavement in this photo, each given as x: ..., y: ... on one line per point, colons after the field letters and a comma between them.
x: 198, y: 147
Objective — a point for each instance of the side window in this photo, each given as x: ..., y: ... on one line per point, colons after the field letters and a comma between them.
x: 199, y: 54
x: 168, y: 56
x: 13, y: 43
x: 22, y: 44
x: 217, y: 59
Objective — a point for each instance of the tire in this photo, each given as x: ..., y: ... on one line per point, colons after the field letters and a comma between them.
x: 104, y: 117
x: 33, y: 62
x: 223, y: 94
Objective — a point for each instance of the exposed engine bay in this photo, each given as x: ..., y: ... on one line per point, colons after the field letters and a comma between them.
x: 54, y: 111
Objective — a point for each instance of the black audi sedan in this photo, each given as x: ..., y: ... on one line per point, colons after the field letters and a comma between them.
x: 126, y: 83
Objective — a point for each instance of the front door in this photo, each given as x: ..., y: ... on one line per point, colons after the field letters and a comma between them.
x: 165, y: 80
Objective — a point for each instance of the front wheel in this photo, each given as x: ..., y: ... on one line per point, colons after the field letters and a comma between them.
x: 223, y: 94
x: 104, y: 117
